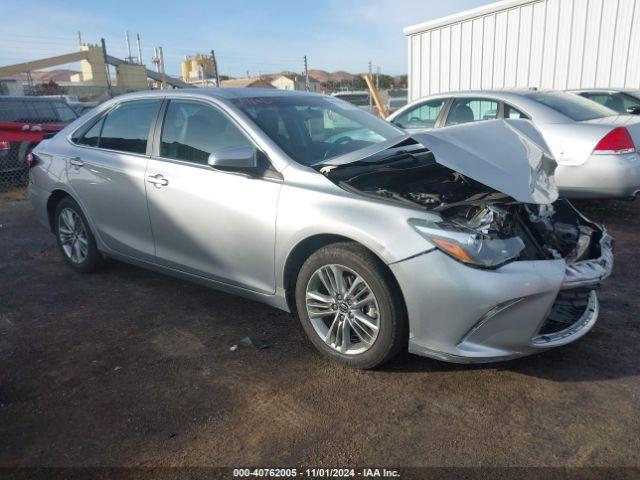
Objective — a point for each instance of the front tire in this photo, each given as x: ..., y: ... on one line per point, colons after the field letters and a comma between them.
x: 350, y: 306
x: 74, y: 237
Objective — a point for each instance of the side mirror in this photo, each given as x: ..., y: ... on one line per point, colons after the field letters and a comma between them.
x: 234, y: 159
x: 635, y: 110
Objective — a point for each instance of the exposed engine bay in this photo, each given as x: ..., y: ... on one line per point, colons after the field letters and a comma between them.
x: 413, y: 178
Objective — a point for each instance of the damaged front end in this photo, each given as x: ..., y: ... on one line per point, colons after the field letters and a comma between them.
x: 478, y: 225
x: 486, y: 210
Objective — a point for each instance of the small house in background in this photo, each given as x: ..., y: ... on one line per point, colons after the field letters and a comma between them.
x: 11, y: 86
x: 294, y: 81
x: 251, y: 82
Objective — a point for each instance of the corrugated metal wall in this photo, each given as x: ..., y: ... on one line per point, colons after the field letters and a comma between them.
x: 557, y: 44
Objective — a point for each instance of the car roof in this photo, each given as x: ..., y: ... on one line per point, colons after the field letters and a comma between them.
x: 518, y: 98
x: 30, y: 99
x: 220, y: 93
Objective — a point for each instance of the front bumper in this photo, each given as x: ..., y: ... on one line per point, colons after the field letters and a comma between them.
x: 601, y: 176
x: 466, y: 315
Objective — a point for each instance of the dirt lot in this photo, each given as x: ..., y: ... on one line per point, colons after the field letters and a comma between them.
x: 128, y: 367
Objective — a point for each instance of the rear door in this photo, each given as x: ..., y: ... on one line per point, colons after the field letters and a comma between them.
x: 206, y: 222
x: 107, y: 173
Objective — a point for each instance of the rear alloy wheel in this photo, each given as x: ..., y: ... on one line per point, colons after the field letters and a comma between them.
x: 349, y: 306
x: 74, y: 237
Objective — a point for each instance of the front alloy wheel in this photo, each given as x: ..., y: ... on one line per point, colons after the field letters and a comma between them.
x: 342, y: 308
x: 350, y: 306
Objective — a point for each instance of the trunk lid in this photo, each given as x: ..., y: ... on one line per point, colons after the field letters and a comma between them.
x: 630, y: 122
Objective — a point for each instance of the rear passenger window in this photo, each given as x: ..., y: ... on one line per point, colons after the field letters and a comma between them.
x: 44, y: 112
x: 64, y: 112
x: 193, y: 130
x: 466, y: 110
x: 126, y: 128
x: 511, y: 112
x: 92, y: 136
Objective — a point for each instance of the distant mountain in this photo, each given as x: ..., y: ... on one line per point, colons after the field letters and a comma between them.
x: 323, y: 76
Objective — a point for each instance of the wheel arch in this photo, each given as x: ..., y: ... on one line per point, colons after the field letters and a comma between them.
x: 52, y: 203
x: 306, y: 247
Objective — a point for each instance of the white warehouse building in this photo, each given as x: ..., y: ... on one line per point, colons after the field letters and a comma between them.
x: 548, y: 44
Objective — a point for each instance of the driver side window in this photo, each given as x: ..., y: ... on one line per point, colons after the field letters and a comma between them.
x: 421, y: 116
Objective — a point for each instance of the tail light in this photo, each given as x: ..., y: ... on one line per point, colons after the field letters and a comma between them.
x: 616, y: 142
x: 32, y: 160
x: 4, y: 145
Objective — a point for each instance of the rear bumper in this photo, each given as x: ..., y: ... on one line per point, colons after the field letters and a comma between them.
x: 468, y: 315
x: 601, y: 176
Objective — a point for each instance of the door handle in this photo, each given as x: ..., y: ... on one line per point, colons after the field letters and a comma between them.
x: 158, y: 180
x: 76, y: 162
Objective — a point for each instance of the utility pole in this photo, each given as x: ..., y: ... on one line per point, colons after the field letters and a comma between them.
x: 156, y: 59
x: 79, y: 39
x: 30, y: 82
x: 139, y: 49
x: 129, y: 58
x: 370, y: 96
x: 164, y: 75
x: 106, y: 65
x: 215, y: 68
x: 378, y: 78
x: 306, y: 74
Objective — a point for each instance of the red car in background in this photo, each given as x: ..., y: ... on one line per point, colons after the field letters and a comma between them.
x: 25, y: 122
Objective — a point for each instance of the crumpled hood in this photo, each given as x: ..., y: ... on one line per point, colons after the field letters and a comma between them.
x: 509, y: 156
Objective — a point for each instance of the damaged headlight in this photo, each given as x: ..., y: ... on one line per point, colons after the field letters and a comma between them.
x: 467, y: 245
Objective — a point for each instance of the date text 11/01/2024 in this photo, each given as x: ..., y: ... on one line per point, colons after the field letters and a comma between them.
x: 316, y: 472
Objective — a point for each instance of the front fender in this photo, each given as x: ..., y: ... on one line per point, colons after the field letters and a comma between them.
x: 381, y: 227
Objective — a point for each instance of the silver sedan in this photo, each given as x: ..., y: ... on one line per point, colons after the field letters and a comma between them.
x: 595, y: 147
x: 378, y: 240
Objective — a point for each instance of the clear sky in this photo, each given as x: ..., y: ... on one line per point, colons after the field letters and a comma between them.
x: 247, y: 35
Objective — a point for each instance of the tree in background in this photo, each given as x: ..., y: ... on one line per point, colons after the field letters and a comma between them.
x: 48, y: 88
x: 385, y: 82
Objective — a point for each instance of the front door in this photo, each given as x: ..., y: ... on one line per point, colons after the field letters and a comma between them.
x: 210, y: 223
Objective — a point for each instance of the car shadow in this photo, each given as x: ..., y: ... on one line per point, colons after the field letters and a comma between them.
x: 579, y: 362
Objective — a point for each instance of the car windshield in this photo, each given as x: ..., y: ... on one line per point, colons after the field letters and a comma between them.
x: 573, y: 106
x: 313, y: 129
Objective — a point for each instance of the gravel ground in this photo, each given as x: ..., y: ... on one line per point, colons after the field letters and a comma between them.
x: 129, y: 367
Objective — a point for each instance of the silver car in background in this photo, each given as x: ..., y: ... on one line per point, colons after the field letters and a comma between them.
x: 595, y: 147
x: 452, y: 243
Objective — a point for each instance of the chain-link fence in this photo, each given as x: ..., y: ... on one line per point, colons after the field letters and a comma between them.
x: 25, y: 122
x: 13, y: 167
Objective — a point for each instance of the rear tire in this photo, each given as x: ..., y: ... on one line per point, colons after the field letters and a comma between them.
x: 74, y: 237
x: 363, y: 327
